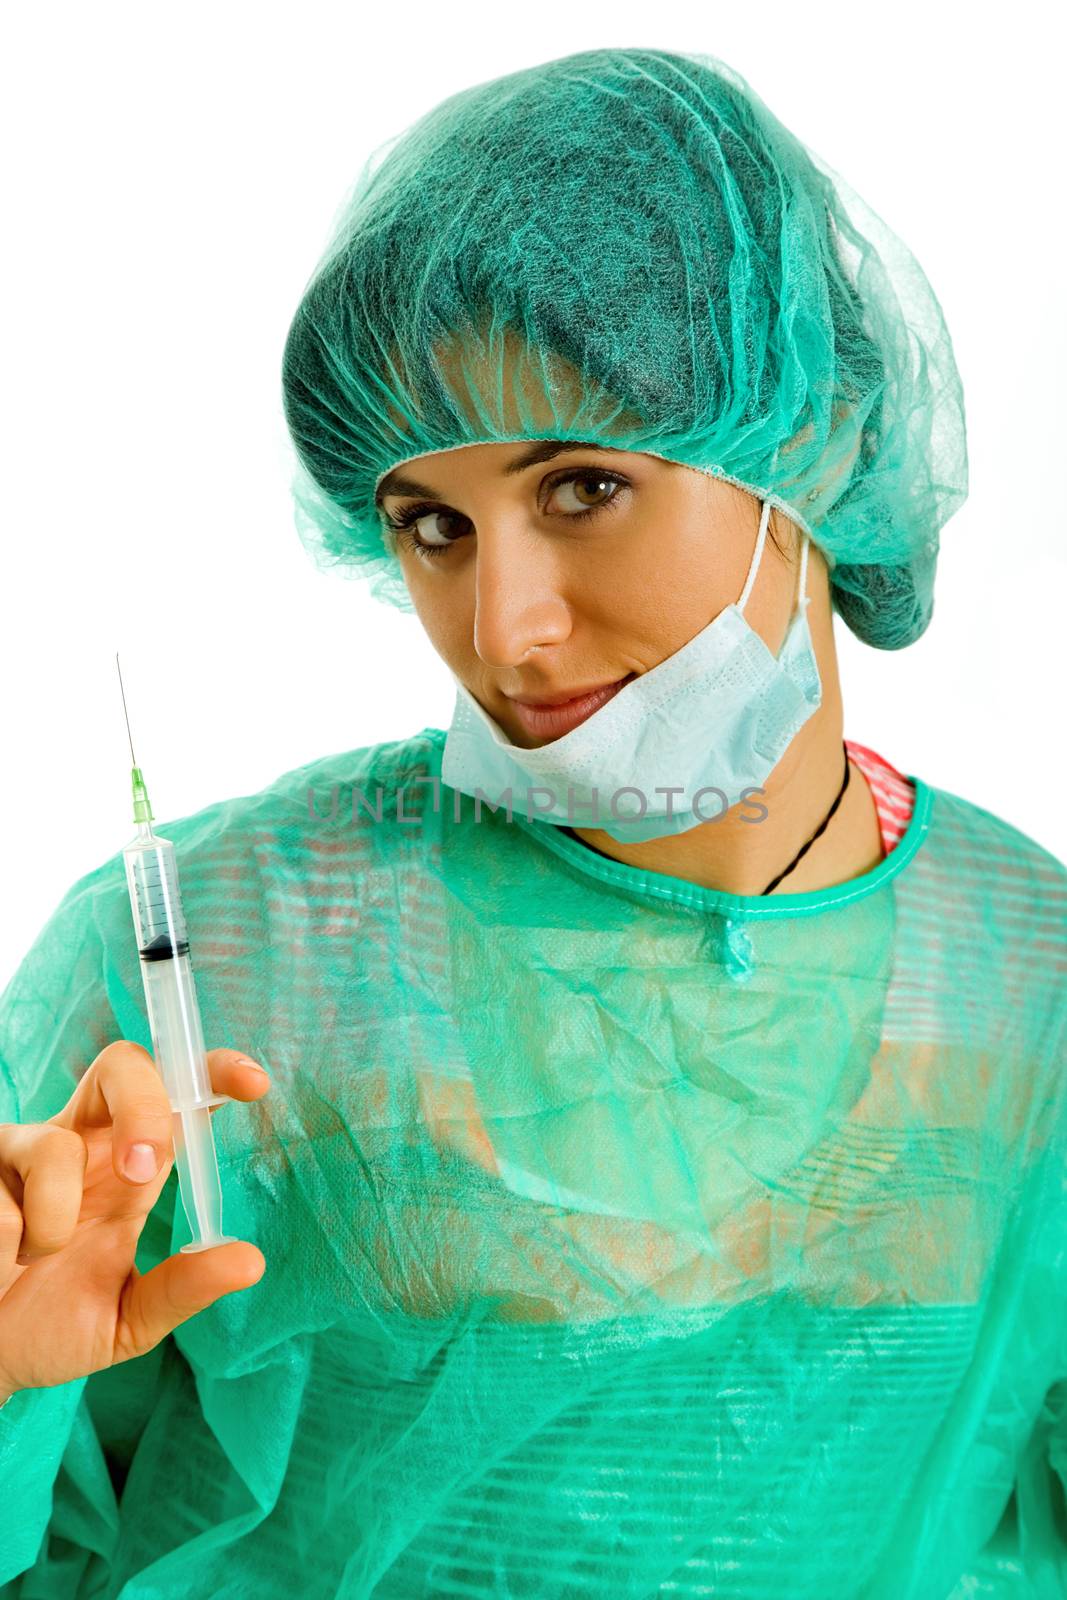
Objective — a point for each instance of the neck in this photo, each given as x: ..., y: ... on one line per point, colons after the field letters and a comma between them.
x: 740, y: 856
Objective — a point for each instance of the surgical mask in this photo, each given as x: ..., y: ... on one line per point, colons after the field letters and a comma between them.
x: 675, y: 747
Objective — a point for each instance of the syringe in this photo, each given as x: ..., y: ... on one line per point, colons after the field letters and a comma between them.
x: 173, y: 1014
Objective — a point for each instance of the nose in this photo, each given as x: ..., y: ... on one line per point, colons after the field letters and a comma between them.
x: 519, y: 600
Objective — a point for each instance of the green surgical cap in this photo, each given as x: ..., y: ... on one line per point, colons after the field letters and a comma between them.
x: 627, y: 247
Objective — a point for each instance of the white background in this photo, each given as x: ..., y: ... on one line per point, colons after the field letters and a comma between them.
x: 172, y: 174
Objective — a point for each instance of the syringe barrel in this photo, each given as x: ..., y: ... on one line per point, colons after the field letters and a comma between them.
x: 198, y: 1174
x: 177, y: 1035
x: 170, y: 992
x: 152, y: 877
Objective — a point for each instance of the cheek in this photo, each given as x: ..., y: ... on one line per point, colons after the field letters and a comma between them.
x: 446, y: 614
x: 668, y: 599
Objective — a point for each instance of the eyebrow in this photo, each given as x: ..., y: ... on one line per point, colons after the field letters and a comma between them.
x: 542, y: 450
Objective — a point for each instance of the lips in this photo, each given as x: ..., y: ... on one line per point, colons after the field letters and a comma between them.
x: 550, y: 721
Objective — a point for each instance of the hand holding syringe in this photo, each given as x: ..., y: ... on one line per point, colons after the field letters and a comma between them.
x: 72, y: 1205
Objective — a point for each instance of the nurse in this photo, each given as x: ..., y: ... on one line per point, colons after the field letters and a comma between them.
x: 659, y: 1187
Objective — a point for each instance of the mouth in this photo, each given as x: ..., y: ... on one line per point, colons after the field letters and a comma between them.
x: 551, y: 718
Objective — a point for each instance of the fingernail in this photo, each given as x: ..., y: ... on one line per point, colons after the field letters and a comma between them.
x: 141, y: 1162
x: 246, y: 1061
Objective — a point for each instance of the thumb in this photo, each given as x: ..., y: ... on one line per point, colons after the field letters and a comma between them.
x: 153, y: 1303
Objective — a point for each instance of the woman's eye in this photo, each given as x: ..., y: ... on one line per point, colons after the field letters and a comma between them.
x: 429, y: 530
x: 417, y: 530
x: 587, y: 491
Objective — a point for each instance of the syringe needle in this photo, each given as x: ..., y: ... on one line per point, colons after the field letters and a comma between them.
x: 142, y: 809
x: 126, y: 714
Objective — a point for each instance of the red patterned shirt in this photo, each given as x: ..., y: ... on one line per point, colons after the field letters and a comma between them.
x: 894, y: 796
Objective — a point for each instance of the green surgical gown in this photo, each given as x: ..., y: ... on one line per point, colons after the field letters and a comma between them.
x: 624, y: 1238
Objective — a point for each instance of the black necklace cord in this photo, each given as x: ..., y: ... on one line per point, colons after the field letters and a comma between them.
x: 820, y: 829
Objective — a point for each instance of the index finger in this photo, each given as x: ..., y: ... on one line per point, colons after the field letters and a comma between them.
x: 122, y: 1089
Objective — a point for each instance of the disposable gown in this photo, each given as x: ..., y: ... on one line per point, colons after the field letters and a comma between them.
x: 623, y: 1238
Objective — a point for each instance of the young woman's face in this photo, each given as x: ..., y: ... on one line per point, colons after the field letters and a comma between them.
x: 578, y: 570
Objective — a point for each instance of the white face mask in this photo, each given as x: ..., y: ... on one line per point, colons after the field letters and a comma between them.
x: 707, y: 724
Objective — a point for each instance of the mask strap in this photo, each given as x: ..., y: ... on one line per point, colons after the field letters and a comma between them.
x: 754, y: 563
x: 803, y: 597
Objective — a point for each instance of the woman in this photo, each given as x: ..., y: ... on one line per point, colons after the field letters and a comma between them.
x: 658, y: 1191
